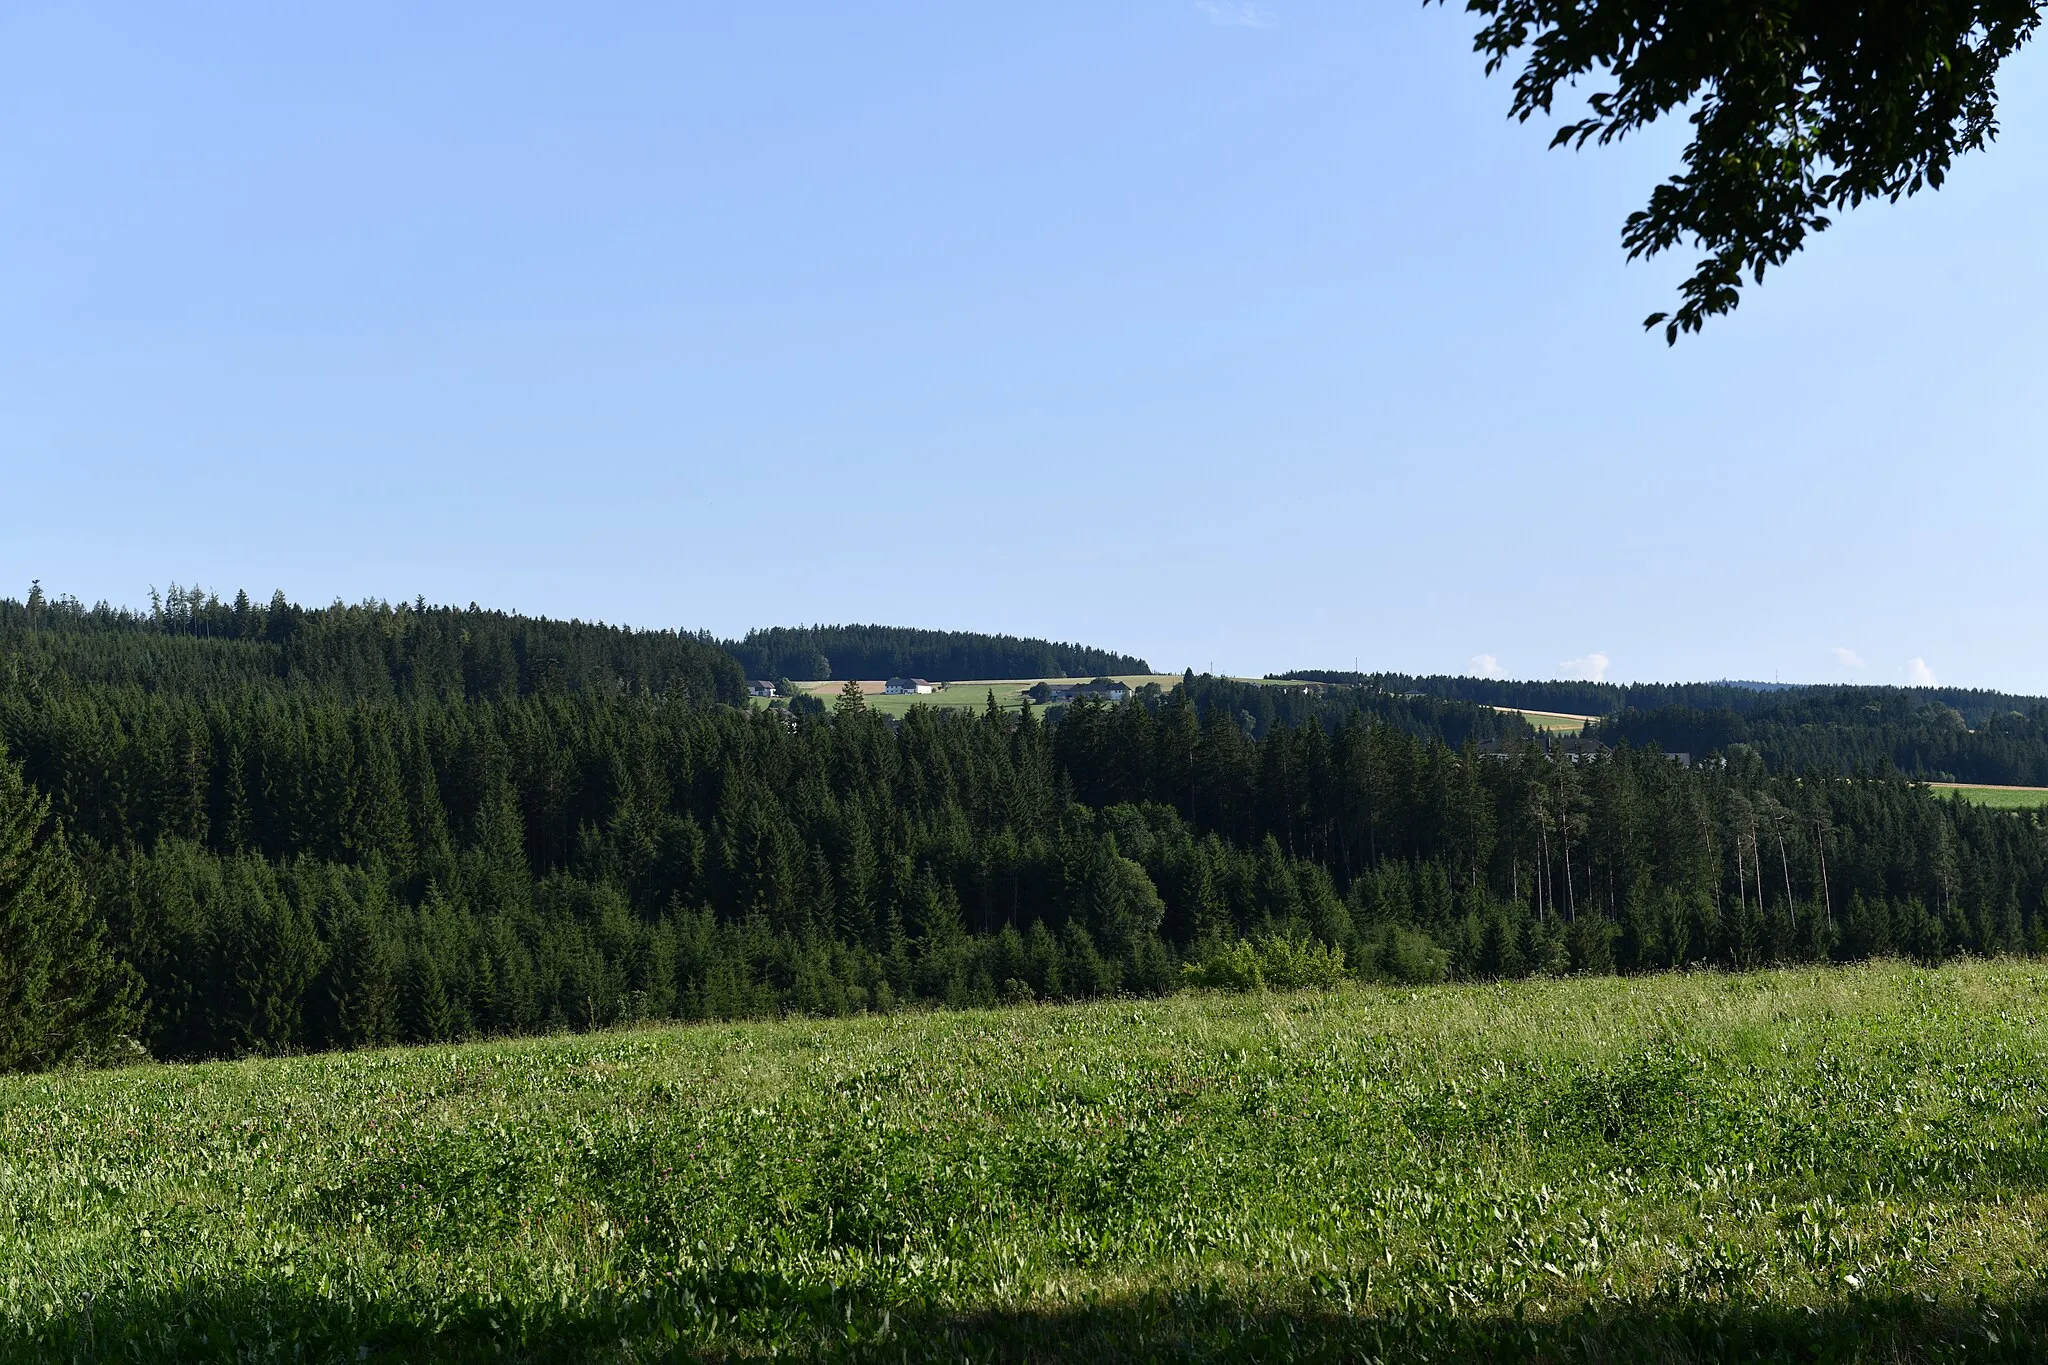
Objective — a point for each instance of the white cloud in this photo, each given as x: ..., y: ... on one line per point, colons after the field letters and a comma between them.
x: 1235, y: 14
x: 1920, y: 675
x: 1484, y: 666
x: 1849, y: 658
x: 1586, y: 668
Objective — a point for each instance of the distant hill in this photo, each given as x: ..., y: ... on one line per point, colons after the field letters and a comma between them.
x: 1942, y: 734
x: 1937, y: 733
x: 1576, y: 698
x: 1757, y: 686
x: 811, y: 653
x: 1974, y: 705
x: 1259, y: 707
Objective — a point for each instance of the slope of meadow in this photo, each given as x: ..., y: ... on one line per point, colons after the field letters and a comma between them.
x: 1842, y: 1164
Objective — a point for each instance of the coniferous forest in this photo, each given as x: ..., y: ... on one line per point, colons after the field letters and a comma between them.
x: 1948, y: 734
x: 232, y: 828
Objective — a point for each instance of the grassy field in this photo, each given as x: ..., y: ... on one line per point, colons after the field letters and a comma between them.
x: 1552, y: 720
x: 1839, y: 1164
x: 2000, y: 798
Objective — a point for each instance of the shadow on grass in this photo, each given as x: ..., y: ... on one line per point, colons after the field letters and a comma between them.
x: 277, y: 1321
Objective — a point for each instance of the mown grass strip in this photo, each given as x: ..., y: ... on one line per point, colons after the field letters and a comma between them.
x: 1998, y: 798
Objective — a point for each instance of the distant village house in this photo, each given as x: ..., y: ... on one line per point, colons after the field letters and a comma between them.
x: 760, y: 687
x: 908, y: 687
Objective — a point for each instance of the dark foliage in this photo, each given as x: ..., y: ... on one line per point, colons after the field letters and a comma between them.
x: 1799, y: 108
x: 62, y: 997
x: 271, y: 1315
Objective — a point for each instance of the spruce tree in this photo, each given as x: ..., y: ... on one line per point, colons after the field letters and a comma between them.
x: 363, y: 981
x: 62, y: 996
x: 264, y: 952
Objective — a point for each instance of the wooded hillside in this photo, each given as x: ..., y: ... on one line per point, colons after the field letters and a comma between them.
x: 323, y: 828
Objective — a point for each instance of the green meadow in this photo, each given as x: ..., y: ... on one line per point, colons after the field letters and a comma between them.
x: 1829, y: 1164
x: 1554, y: 721
x: 1999, y: 798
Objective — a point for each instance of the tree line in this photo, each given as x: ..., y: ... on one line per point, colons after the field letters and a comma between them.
x: 1938, y: 734
x: 216, y: 858
x: 1570, y: 696
x: 1846, y: 728
x: 1974, y: 705
x: 811, y: 653
x: 195, y: 643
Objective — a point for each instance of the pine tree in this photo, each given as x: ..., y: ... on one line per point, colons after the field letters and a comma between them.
x: 934, y: 908
x: 362, y: 979
x: 1046, y: 961
x: 857, y: 889
x: 62, y: 996
x: 426, y: 1014
x: 263, y: 952
x: 1211, y: 926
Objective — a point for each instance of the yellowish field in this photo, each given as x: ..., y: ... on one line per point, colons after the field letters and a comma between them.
x: 1554, y: 721
x: 2000, y: 798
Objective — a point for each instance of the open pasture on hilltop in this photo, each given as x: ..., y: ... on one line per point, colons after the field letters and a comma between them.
x: 971, y: 695
x: 1999, y: 798
x: 1554, y: 721
x: 1839, y: 1164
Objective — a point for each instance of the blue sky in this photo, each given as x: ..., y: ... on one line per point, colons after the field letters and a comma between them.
x: 1245, y: 336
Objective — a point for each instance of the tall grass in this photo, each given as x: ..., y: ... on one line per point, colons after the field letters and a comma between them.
x: 1828, y: 1164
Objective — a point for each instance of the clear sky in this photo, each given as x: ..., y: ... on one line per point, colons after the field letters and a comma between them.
x: 1251, y: 336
